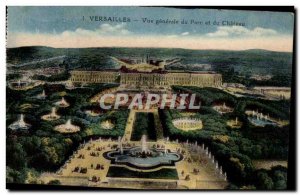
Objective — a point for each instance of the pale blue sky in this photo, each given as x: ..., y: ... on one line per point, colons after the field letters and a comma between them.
x: 65, y: 27
x: 59, y: 19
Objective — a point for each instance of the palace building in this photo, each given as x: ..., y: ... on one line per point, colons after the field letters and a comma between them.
x: 94, y: 76
x: 147, y: 72
x: 152, y: 79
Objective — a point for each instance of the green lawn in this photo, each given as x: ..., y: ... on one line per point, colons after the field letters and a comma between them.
x: 164, y: 173
x: 144, y: 125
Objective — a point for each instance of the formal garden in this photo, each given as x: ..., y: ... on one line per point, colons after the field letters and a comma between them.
x: 235, y: 148
x: 41, y: 148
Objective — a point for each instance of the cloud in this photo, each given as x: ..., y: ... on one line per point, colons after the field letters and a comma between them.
x: 171, y: 36
x: 177, y: 35
x: 185, y: 33
x: 240, y: 31
x: 274, y: 43
x: 104, y: 29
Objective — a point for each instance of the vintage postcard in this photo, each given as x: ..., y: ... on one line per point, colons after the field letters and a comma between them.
x: 150, y: 98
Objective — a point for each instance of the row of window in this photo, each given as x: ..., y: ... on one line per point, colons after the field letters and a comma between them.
x: 203, y: 80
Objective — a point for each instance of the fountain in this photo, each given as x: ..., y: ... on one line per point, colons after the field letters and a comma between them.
x: 167, y: 139
x: 187, y: 123
x: 92, y: 113
x: 19, y: 124
x: 120, y: 144
x: 234, y: 123
x: 68, y: 124
x: 223, y: 109
x: 144, y: 144
x: 68, y: 127
x: 23, y: 84
x: 41, y: 96
x: 260, y: 120
x: 221, y: 170
x: 69, y: 85
x: 51, y: 116
x: 18, y: 84
x: 107, y: 124
x: 62, y: 103
x: 142, y: 157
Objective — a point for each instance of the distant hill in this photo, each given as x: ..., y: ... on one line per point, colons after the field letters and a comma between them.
x: 252, y: 61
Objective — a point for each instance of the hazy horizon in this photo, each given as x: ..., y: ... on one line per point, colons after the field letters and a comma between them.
x: 256, y: 49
